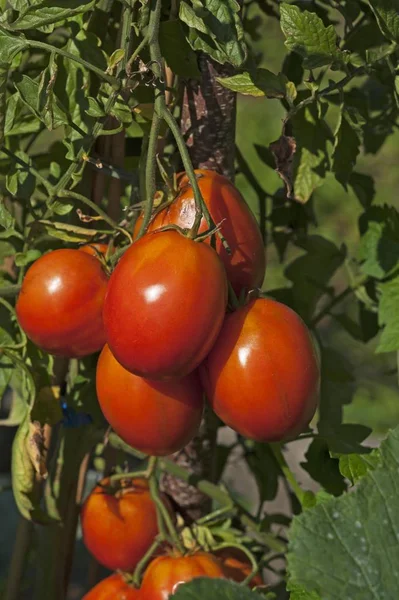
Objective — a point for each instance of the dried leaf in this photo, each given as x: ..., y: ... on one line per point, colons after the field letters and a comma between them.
x: 284, y: 150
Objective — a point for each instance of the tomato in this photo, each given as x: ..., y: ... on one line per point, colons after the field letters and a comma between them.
x: 94, y: 249
x: 157, y: 221
x: 118, y: 528
x: 60, y: 303
x: 165, y: 305
x: 262, y: 375
x: 165, y: 573
x: 236, y: 566
x: 156, y: 417
x: 245, y: 266
x: 113, y: 587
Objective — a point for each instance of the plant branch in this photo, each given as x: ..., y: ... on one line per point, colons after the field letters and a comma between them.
x: 337, y: 300
x: 288, y: 474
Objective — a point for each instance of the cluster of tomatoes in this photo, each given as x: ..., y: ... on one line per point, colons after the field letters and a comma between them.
x: 161, y: 321
x: 120, y: 526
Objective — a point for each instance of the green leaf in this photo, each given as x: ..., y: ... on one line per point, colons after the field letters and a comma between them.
x: 260, y: 460
x: 19, y: 181
x: 51, y: 114
x: 307, y: 35
x: 215, y: 589
x: 379, y: 247
x: 387, y: 14
x: 6, y: 219
x: 176, y: 50
x: 10, y: 46
x: 347, y: 547
x: 24, y: 258
x: 355, y: 466
x: 50, y: 12
x: 323, y: 468
x: 388, y: 315
x: 214, y: 27
x: 259, y: 83
x: 346, y: 149
x: 115, y: 58
x: 297, y: 592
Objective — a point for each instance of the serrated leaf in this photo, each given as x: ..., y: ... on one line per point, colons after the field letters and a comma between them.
x: 355, y: 466
x: 261, y: 82
x: 6, y: 219
x: 388, y: 316
x: 176, y: 50
x: 10, y: 46
x: 214, y: 27
x: 346, y: 149
x: 348, y: 547
x: 24, y: 258
x: 50, y: 12
x: 215, y: 589
x: 95, y: 108
x: 307, y: 35
x: 379, y: 247
x: 387, y: 14
x: 29, y: 92
x: 19, y: 180
x: 298, y: 592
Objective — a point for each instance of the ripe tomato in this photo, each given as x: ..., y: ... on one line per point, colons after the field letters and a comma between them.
x: 156, y: 417
x: 165, y: 573
x: 236, y: 566
x: 262, y: 375
x: 60, y: 303
x: 94, y: 249
x: 156, y: 222
x: 245, y: 266
x: 113, y: 587
x: 118, y: 528
x: 165, y: 305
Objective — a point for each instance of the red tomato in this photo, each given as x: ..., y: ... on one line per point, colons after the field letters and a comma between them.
x: 262, y: 375
x: 165, y: 573
x: 61, y: 301
x: 245, y: 266
x: 113, y: 587
x: 118, y: 528
x: 237, y: 567
x: 156, y: 222
x: 156, y: 417
x: 94, y: 249
x: 165, y: 305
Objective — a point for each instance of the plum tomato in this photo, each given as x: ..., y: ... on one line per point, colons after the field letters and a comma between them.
x: 262, y: 375
x: 166, y: 573
x: 165, y: 305
x: 119, y: 526
x: 94, y: 249
x: 61, y: 301
x: 113, y: 587
x: 155, y: 417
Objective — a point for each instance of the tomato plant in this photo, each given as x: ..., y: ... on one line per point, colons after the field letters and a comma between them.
x: 166, y: 573
x: 152, y: 154
x: 262, y: 375
x: 151, y: 296
x: 61, y: 301
x: 113, y: 587
x: 166, y: 414
x: 120, y: 524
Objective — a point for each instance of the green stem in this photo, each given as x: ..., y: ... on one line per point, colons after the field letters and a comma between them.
x: 18, y: 560
x: 337, y: 300
x: 10, y: 290
x: 151, y: 164
x: 28, y: 167
x: 288, y: 474
x: 96, y: 208
x: 43, y: 46
x: 164, y: 513
x: 143, y: 562
x: 136, y: 53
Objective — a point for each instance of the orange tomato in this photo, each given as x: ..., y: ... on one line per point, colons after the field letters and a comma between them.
x: 236, y: 566
x: 113, y: 587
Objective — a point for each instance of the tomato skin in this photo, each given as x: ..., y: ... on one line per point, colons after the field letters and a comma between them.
x: 156, y: 222
x: 165, y: 305
x: 262, y: 375
x: 94, y: 249
x: 113, y: 588
x: 156, y: 417
x: 165, y: 573
x: 60, y: 303
x: 237, y: 567
x: 119, y: 529
x: 246, y: 265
